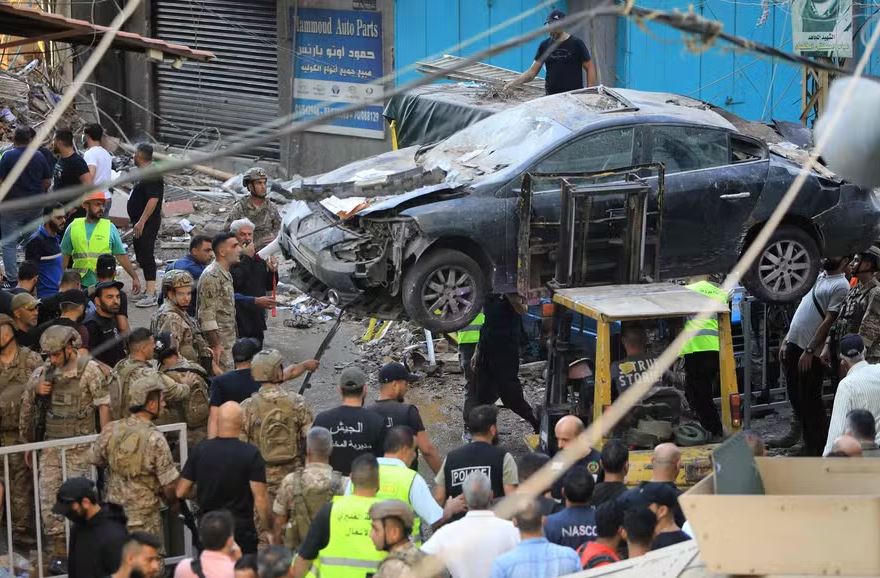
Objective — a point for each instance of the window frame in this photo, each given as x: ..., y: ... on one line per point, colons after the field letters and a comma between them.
x: 649, y: 144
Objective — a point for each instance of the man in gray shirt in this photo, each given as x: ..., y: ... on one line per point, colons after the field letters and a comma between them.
x: 799, y: 355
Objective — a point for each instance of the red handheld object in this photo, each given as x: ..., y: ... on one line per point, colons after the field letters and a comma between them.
x: 274, y: 293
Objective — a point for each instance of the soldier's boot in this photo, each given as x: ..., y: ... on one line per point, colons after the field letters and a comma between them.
x: 789, y: 439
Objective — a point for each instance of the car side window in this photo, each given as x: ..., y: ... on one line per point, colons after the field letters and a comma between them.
x: 608, y: 149
x: 686, y: 148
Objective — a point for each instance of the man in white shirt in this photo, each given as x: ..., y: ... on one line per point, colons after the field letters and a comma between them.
x: 97, y: 158
x: 800, y: 358
x: 470, y: 545
x: 860, y: 389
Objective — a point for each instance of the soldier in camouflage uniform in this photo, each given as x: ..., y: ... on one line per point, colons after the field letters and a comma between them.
x: 173, y: 316
x: 71, y: 387
x: 307, y: 490
x: 139, y: 363
x: 16, y: 366
x: 275, y: 420
x: 140, y: 467
x: 860, y: 313
x: 256, y: 207
x: 217, y: 300
x: 392, y: 527
x: 194, y: 409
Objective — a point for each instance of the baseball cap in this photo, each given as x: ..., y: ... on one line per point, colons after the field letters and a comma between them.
x: 352, y: 379
x: 555, y: 16
x: 75, y: 296
x: 106, y: 265
x: 244, y: 349
x: 73, y: 490
x: 659, y: 493
x: 852, y: 345
x: 25, y: 300
x: 395, y: 371
x: 105, y: 285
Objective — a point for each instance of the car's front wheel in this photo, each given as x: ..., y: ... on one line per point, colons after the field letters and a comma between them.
x: 786, y: 268
x: 444, y: 290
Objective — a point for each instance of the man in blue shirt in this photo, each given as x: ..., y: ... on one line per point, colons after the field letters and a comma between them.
x: 576, y: 524
x: 34, y: 180
x: 535, y: 556
x: 199, y: 256
x: 44, y: 248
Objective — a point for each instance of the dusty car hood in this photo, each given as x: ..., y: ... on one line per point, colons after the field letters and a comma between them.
x: 405, y: 198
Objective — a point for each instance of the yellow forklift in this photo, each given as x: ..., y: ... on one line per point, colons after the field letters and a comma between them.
x: 603, y: 250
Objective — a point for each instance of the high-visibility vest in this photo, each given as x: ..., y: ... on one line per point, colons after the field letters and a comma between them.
x: 350, y: 553
x: 471, y: 333
x: 706, y: 336
x: 87, y: 249
x: 395, y: 483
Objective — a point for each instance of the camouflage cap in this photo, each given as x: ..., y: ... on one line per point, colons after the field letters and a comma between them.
x: 265, y: 366
x: 254, y: 174
x: 177, y: 278
x: 141, y: 389
x: 57, y: 337
x: 393, y: 509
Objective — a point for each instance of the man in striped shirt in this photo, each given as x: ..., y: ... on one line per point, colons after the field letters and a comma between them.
x: 860, y: 389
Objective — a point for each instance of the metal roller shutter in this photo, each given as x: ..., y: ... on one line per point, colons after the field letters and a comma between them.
x: 236, y: 91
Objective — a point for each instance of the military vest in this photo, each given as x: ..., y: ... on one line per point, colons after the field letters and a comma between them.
x: 307, y: 501
x: 197, y: 406
x: 350, y: 553
x: 70, y: 414
x: 128, y: 448
x: 853, y: 312
x: 13, y: 381
x: 175, y: 411
x: 196, y: 348
x: 277, y: 436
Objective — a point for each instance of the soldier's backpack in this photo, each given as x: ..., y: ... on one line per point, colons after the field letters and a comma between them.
x: 307, y: 501
x: 198, y: 405
x: 120, y: 379
x: 277, y: 436
x: 128, y: 446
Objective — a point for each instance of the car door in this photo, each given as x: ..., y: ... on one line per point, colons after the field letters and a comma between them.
x: 713, y: 179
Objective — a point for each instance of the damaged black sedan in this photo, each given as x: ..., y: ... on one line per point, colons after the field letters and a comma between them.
x: 426, y: 232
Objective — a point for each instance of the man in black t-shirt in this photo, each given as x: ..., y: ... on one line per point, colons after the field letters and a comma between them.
x: 566, y: 58
x: 145, y: 212
x: 394, y: 380
x: 236, y: 385
x: 240, y: 489
x: 355, y: 430
x: 70, y: 168
x: 104, y: 331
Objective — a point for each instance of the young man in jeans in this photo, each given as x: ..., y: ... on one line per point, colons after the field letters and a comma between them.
x: 220, y: 552
x: 800, y: 358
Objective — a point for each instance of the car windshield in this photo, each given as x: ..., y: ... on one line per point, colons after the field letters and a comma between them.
x: 515, y: 135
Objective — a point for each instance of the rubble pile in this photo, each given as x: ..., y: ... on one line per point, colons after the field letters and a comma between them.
x: 23, y: 101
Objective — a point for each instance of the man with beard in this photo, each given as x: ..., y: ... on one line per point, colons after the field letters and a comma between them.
x: 217, y: 300
x: 394, y: 380
x: 44, y: 248
x: 63, y: 396
x: 88, y: 237
x: 140, y: 467
x: 97, y: 532
x: 140, y: 557
x: 252, y: 278
x: 480, y: 455
x: 103, y: 324
x: 24, y: 315
x: 72, y: 304
x: 16, y: 366
x: 257, y: 208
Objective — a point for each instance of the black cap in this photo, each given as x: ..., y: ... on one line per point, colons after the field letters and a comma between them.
x: 852, y: 345
x: 106, y: 265
x: 73, y: 490
x: 395, y: 371
x: 244, y: 349
x: 75, y: 296
x: 555, y: 16
x: 105, y: 285
x: 659, y: 493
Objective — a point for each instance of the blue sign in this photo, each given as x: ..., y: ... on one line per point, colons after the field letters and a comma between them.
x: 337, y: 62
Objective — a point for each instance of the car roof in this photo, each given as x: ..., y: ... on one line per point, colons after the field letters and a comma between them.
x: 580, y: 109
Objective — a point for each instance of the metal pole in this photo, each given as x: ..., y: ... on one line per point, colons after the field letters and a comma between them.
x: 745, y: 310
x: 8, y: 501
x: 64, y: 479
x: 429, y: 344
x: 38, y: 509
x: 183, y: 440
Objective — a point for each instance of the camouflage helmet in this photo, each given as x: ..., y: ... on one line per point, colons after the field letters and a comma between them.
x: 254, y: 174
x: 166, y: 345
x: 176, y: 278
x: 874, y: 252
x: 393, y: 509
x: 141, y: 389
x: 6, y: 320
x: 57, y: 337
x: 266, y: 365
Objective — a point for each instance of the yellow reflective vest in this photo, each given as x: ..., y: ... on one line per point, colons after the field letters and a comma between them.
x: 395, y: 483
x: 706, y: 336
x: 87, y: 249
x: 350, y: 553
x: 471, y: 333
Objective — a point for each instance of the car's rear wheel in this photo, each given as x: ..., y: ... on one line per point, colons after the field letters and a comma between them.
x: 786, y: 268
x: 444, y: 290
